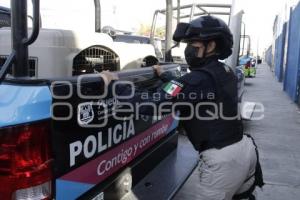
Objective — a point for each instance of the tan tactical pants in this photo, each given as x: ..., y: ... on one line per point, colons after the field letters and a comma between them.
x: 223, y: 171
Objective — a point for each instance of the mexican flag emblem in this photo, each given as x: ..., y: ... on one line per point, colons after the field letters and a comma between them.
x: 173, y: 88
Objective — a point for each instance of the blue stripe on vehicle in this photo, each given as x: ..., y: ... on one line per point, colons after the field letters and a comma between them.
x: 23, y: 104
x: 70, y: 190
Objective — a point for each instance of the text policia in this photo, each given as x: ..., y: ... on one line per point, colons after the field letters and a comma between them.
x: 96, y: 144
x: 133, y: 144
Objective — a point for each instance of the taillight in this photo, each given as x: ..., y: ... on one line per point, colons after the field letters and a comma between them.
x: 25, y: 162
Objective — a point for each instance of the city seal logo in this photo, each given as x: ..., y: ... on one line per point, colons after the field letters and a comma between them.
x: 85, y: 113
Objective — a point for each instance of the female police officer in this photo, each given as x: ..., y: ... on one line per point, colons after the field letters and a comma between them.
x: 228, y: 166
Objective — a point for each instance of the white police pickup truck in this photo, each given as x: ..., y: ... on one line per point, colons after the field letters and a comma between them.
x: 53, y: 144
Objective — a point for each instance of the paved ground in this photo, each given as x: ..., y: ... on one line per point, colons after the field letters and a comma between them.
x: 278, y: 139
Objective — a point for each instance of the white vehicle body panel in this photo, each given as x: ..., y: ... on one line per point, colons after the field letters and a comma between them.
x: 56, y: 49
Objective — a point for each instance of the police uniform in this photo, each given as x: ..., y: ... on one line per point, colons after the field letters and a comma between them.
x: 228, y: 165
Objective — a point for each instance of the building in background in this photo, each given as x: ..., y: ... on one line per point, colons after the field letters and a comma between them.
x: 283, y: 56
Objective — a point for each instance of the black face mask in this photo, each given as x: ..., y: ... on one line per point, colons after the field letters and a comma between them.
x: 192, y: 59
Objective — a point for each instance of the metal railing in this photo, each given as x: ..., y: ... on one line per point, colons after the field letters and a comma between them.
x: 195, y: 10
x: 19, y: 59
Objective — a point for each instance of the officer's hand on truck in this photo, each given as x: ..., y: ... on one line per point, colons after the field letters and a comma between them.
x: 110, y: 76
x: 158, y: 70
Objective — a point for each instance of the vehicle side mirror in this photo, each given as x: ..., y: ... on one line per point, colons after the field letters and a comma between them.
x: 4, y: 17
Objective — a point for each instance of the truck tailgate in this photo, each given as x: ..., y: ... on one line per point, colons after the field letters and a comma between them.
x: 86, y: 153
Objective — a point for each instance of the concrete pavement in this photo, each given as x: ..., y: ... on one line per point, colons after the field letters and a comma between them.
x: 277, y: 136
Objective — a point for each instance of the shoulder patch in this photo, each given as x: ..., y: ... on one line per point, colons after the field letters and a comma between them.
x: 173, y: 88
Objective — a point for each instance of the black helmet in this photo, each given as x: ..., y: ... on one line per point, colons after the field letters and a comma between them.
x: 206, y: 28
